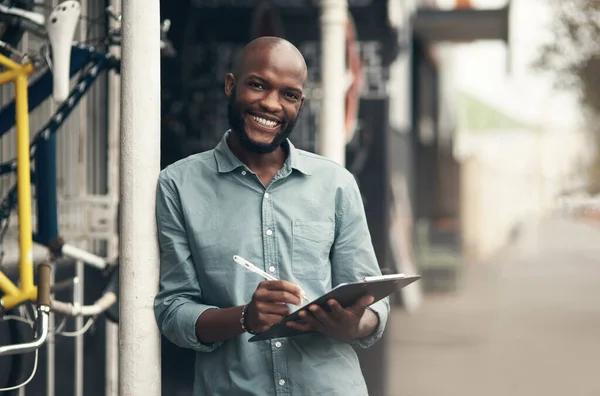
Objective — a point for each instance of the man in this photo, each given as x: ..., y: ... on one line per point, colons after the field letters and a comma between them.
x: 294, y: 214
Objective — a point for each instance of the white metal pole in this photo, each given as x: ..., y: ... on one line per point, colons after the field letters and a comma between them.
x: 78, y: 293
x: 114, y: 135
x: 139, y: 338
x: 331, y: 141
x: 79, y: 285
x: 112, y: 359
x: 51, y: 347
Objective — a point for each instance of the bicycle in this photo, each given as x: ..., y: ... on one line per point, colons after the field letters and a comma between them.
x: 61, y: 61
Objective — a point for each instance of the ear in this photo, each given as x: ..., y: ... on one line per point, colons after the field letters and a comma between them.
x: 229, y: 83
x: 300, y: 107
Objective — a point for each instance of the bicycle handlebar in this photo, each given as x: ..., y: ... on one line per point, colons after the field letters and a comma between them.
x: 46, y: 304
x: 80, y: 254
x: 70, y: 309
x: 43, y: 324
x: 35, y: 18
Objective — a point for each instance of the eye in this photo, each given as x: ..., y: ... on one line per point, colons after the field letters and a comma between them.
x: 292, y: 96
x: 256, y: 85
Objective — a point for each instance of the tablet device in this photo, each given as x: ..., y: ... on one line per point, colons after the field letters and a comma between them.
x: 346, y: 294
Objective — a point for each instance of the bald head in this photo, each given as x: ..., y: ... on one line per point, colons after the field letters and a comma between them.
x: 270, y: 48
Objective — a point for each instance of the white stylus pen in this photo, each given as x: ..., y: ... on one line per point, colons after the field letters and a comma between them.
x: 249, y: 266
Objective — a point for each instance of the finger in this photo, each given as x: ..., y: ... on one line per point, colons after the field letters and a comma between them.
x: 322, y: 316
x: 273, y: 309
x: 362, y: 303
x: 310, y: 320
x: 278, y: 297
x: 337, y: 311
x: 281, y: 285
x: 265, y: 321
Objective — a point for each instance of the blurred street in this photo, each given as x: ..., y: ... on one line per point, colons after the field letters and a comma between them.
x: 525, y: 323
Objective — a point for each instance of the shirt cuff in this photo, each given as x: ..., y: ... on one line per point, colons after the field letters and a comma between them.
x: 186, y: 319
x: 380, y: 308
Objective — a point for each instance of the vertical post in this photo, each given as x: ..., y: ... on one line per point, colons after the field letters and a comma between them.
x: 79, y: 289
x: 78, y: 293
x: 51, y: 347
x: 139, y: 338
x: 112, y: 359
x: 47, y: 230
x: 331, y: 141
x: 114, y: 134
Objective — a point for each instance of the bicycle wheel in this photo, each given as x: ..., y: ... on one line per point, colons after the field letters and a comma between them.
x: 11, y: 30
x: 6, y: 362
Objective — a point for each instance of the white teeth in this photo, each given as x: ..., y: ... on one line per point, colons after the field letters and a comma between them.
x: 264, y: 122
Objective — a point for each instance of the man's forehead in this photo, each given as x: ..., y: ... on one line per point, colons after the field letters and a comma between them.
x: 274, y: 61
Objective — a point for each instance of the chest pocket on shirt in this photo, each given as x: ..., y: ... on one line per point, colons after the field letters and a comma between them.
x: 311, y: 244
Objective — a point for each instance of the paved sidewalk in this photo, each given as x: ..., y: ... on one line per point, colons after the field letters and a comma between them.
x: 525, y: 323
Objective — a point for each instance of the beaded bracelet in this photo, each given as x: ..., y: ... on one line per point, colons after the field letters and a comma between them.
x: 243, y: 320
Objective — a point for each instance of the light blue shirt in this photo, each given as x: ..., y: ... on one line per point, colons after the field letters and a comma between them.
x: 308, y: 226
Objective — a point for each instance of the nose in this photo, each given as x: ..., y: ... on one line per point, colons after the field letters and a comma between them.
x: 270, y: 102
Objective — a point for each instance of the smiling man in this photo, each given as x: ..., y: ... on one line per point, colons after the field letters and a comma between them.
x: 294, y: 214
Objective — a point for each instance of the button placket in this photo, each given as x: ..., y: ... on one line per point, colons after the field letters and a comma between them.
x: 271, y: 266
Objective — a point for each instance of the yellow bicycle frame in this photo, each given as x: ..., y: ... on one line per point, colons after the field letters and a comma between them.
x: 13, y: 295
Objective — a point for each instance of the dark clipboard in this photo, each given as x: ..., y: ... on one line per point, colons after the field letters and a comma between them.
x: 346, y: 294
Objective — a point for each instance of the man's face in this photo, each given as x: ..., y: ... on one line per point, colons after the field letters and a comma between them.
x: 264, y: 102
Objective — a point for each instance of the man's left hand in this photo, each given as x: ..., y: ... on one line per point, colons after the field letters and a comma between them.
x: 341, y: 324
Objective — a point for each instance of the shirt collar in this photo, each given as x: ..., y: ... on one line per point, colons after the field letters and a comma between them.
x: 228, y: 162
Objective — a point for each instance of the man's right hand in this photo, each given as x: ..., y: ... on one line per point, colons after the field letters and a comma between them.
x: 268, y: 305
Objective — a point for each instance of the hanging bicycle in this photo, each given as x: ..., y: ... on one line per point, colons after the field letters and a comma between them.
x: 58, y: 61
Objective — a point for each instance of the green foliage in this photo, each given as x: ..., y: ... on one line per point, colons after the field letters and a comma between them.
x: 573, y: 56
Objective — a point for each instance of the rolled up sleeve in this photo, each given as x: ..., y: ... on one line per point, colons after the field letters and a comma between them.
x: 382, y: 309
x: 179, y: 302
x: 353, y: 256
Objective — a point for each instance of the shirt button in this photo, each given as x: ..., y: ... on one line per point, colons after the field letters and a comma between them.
x: 267, y: 195
x: 269, y: 232
x: 271, y: 269
x: 243, y: 173
x: 281, y: 382
x: 278, y: 344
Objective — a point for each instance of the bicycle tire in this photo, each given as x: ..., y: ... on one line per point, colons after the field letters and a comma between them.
x: 12, y: 33
x: 6, y: 362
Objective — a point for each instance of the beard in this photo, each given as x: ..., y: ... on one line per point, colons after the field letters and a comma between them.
x: 237, y: 123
